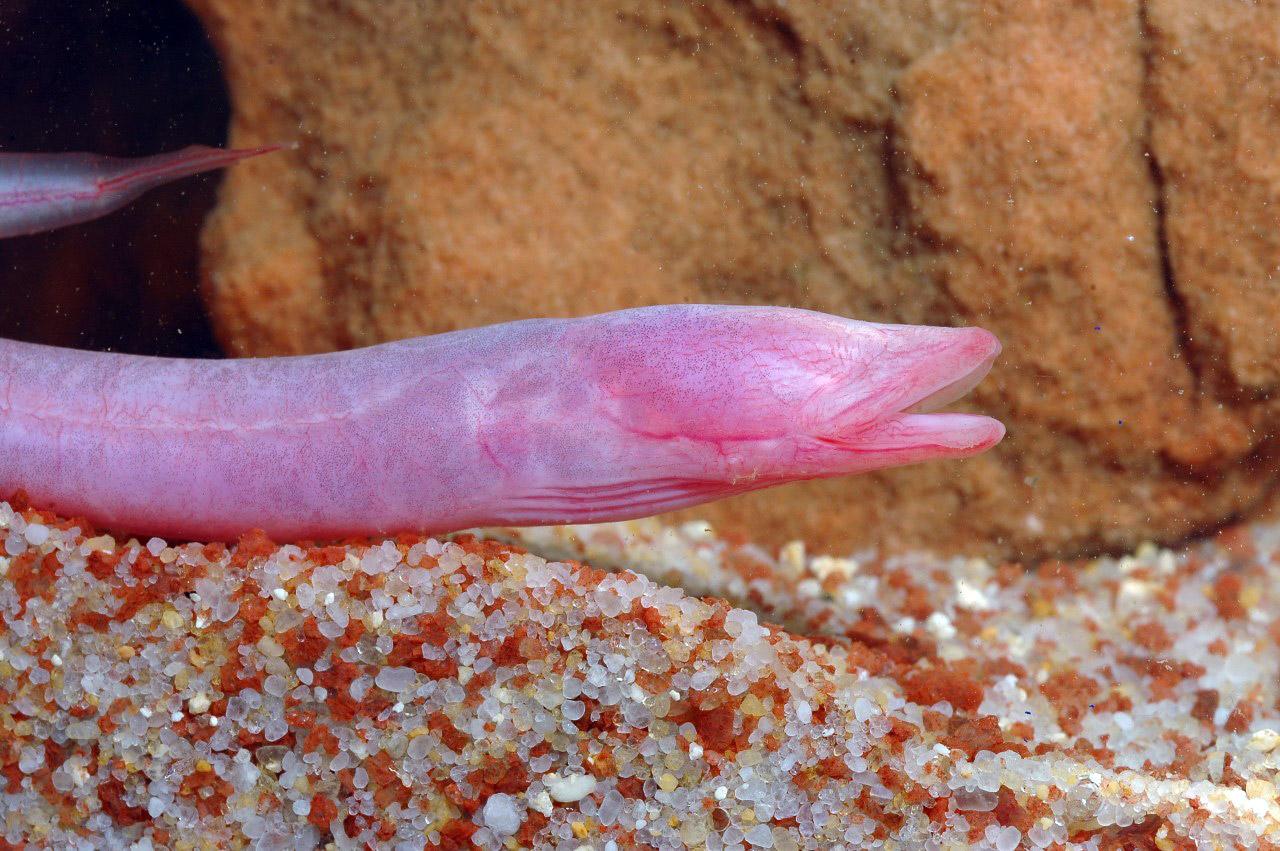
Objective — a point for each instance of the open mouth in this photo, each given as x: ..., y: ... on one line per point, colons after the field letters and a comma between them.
x: 921, y: 430
x: 954, y: 390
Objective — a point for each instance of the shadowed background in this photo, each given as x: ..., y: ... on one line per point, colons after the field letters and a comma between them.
x: 126, y: 79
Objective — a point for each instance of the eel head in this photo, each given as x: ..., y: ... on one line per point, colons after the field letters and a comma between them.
x: 691, y: 403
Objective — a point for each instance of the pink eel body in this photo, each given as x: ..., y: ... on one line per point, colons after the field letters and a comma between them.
x: 41, y: 192
x: 606, y: 417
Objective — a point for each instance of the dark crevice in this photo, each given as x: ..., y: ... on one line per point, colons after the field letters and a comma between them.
x: 776, y: 30
x: 897, y: 200
x: 909, y: 235
x: 1177, y: 303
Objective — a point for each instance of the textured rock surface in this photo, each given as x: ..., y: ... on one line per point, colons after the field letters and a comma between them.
x: 391, y: 692
x: 1091, y: 181
x: 1216, y: 102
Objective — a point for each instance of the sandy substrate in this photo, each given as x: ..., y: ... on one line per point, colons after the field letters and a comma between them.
x: 470, y: 693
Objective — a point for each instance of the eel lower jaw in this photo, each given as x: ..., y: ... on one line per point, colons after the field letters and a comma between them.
x: 931, y: 435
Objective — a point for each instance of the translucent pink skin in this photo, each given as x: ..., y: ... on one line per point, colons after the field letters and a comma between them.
x: 606, y: 417
x: 39, y: 192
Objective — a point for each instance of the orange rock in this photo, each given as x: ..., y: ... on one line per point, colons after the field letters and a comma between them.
x: 1090, y: 181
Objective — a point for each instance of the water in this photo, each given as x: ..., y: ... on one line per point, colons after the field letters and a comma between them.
x: 1064, y: 638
